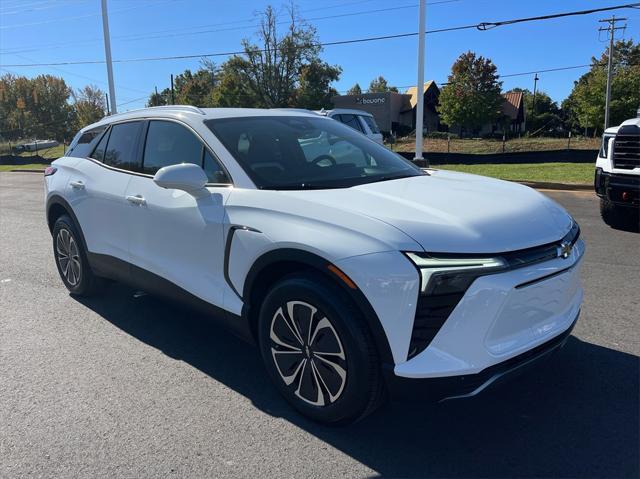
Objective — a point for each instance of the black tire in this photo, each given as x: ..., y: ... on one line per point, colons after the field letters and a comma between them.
x: 622, y: 217
x: 75, y: 272
x: 361, y: 391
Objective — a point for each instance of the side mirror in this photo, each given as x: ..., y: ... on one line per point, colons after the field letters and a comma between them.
x: 185, y: 176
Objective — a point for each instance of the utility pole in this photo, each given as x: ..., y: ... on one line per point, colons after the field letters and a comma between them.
x: 107, y: 52
x: 106, y: 97
x: 535, y: 89
x: 420, y: 85
x: 611, y: 31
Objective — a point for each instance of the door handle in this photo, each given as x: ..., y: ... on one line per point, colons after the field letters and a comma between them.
x: 77, y: 184
x: 136, y: 200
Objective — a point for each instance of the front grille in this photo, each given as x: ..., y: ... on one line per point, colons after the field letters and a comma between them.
x: 626, y: 151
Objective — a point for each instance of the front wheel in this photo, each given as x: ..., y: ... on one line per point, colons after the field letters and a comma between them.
x: 318, y: 350
x: 623, y: 217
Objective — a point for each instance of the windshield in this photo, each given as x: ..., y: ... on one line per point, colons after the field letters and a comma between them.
x: 298, y: 152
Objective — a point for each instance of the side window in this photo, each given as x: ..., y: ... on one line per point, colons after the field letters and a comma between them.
x: 98, y: 153
x: 212, y: 168
x: 122, y: 145
x: 86, y: 143
x: 352, y: 121
x: 371, y: 123
x: 169, y: 143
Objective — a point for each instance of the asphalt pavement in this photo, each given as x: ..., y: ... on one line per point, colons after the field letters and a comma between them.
x: 119, y: 386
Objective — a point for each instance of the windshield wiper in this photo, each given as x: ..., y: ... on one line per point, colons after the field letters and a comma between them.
x: 300, y: 186
x: 388, y: 178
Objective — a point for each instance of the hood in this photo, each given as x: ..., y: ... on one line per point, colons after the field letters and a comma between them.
x: 630, y: 122
x: 450, y: 212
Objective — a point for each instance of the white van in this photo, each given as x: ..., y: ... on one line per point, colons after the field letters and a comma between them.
x: 358, y: 120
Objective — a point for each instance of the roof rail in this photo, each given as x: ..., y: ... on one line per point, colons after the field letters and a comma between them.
x: 301, y: 110
x: 190, y: 108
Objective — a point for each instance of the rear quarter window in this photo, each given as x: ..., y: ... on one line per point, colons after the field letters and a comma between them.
x: 87, y: 141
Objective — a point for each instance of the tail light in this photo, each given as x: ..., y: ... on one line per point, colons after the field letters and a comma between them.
x: 50, y: 170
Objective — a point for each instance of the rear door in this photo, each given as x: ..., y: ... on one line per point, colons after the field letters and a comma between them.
x: 174, y: 235
x: 96, y: 190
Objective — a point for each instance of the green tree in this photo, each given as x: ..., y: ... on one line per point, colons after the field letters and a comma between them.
x: 314, y: 90
x: 89, y: 106
x: 278, y: 70
x: 158, y: 99
x: 232, y: 89
x: 584, y: 108
x: 36, y: 107
x: 380, y: 85
x: 355, y: 90
x: 472, y: 98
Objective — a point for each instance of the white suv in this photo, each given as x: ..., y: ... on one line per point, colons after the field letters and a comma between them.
x: 354, y: 275
x: 359, y: 120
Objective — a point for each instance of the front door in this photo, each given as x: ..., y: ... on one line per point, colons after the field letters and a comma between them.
x: 172, y: 234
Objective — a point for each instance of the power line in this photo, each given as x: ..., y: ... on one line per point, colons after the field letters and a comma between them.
x: 78, y: 17
x: 480, y: 26
x: 160, y: 33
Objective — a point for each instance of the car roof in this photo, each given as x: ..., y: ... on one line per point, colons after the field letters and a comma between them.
x: 188, y: 112
x: 353, y: 111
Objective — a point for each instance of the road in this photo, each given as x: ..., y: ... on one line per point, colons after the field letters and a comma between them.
x: 120, y: 386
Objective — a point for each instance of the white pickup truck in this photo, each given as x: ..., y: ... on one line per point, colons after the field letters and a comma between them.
x: 617, y: 179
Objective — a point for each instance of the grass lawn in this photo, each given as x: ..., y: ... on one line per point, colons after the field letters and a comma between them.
x: 36, y: 166
x: 576, y: 173
x: 482, y: 146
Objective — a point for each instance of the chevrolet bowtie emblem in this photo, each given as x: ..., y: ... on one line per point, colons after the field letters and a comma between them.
x: 564, y: 250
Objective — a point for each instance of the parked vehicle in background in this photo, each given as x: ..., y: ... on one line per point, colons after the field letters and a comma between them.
x: 37, y: 145
x: 353, y: 269
x: 359, y: 120
x: 617, y: 178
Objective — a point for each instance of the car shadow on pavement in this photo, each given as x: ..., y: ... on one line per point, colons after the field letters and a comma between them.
x: 576, y: 415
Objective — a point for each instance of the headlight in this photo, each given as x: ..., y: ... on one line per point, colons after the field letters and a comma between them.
x: 440, y: 275
x: 604, y: 147
x: 448, y: 274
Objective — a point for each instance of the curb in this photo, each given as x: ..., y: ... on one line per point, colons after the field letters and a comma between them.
x: 26, y: 171
x: 542, y: 185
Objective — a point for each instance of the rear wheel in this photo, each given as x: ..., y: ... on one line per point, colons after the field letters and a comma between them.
x: 71, y: 259
x: 318, y: 351
x: 619, y: 216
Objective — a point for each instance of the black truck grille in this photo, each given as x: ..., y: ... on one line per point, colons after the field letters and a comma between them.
x: 626, y: 148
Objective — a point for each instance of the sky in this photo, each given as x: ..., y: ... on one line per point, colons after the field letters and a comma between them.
x: 50, y: 31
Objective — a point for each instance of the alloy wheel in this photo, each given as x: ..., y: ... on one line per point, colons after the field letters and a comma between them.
x: 308, y: 353
x: 68, y: 256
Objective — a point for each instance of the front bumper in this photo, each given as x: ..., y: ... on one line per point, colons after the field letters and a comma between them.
x: 470, y: 385
x: 502, y: 316
x: 622, y: 190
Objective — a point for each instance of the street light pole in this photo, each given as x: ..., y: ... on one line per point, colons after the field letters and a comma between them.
x: 107, y: 52
x: 420, y: 85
